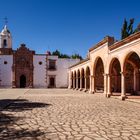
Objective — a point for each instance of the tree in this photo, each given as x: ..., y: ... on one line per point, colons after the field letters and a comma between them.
x: 124, y: 33
x: 76, y: 56
x: 60, y: 55
x: 64, y: 56
x: 130, y: 27
x: 127, y: 30
x: 56, y: 53
x: 138, y: 28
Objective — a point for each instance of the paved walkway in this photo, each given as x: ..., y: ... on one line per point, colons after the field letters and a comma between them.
x: 68, y: 115
x: 7, y: 95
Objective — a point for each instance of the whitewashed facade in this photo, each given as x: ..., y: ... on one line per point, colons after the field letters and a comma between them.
x: 39, y: 72
x: 24, y: 68
x: 62, y: 71
x: 6, y: 62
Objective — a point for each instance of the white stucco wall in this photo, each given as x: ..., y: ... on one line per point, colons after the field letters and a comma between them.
x: 6, y: 70
x: 62, y: 71
x: 39, y: 78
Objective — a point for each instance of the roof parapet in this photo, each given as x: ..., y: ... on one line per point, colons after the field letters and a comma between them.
x: 82, y: 61
x: 125, y: 41
x: 106, y: 39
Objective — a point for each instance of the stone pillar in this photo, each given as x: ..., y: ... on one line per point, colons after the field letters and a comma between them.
x: 81, y: 82
x: 90, y: 84
x: 105, y: 84
x: 93, y: 84
x: 91, y: 89
x: 108, y: 86
x: 85, y: 84
x: 123, y: 94
x: 77, y: 82
x: 73, y: 82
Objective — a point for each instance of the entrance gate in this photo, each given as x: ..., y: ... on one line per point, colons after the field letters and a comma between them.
x: 22, y: 81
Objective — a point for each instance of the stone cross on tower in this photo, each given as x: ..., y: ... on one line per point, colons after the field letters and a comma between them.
x: 5, y: 20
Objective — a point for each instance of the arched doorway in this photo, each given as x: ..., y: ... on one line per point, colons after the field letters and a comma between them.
x: 83, y: 78
x: 115, y: 76
x: 78, y: 74
x: 132, y: 73
x: 87, y: 78
x: 99, y: 78
x: 22, y: 81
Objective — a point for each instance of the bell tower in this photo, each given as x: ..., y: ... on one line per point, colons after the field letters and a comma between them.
x: 5, y: 38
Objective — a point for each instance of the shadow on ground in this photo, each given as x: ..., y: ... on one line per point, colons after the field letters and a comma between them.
x: 9, y: 128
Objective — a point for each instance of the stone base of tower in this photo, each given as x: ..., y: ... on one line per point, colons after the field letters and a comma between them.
x: 6, y: 51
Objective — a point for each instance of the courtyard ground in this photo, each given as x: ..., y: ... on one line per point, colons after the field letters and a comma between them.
x: 62, y: 114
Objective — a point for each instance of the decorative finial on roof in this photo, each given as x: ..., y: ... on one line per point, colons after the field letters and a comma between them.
x: 5, y: 20
x: 5, y: 29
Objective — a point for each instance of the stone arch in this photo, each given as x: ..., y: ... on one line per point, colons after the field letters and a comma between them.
x: 83, y: 77
x: 87, y: 77
x: 131, y: 70
x: 98, y: 74
x: 115, y: 75
x: 95, y: 63
x: 78, y: 78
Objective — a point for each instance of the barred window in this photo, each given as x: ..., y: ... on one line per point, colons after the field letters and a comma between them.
x: 52, y: 64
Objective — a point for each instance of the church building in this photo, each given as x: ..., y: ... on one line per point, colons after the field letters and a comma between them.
x: 23, y: 68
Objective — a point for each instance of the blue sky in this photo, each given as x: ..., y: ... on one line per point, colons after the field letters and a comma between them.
x: 71, y: 26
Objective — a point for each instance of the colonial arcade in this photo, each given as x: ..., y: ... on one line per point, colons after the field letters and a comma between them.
x: 112, y: 67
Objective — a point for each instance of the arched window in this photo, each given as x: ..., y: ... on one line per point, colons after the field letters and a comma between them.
x: 5, y: 43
